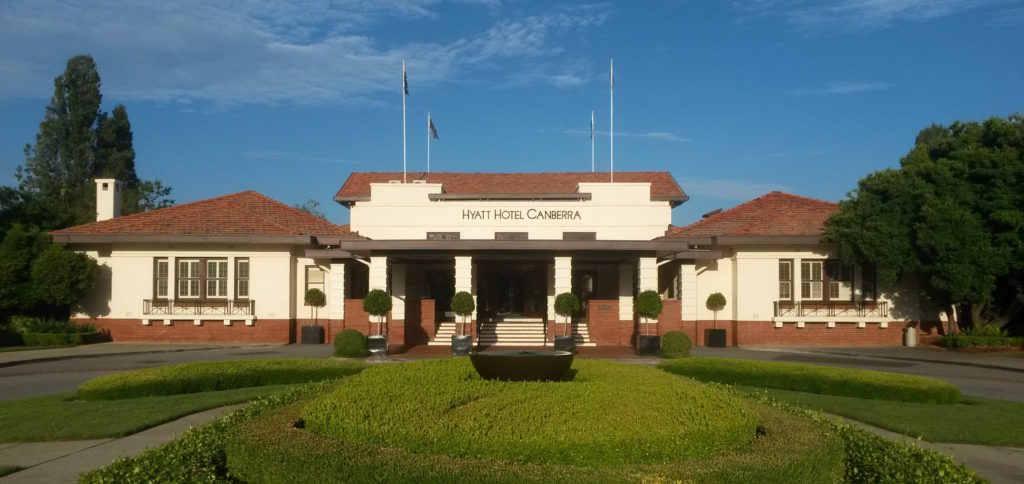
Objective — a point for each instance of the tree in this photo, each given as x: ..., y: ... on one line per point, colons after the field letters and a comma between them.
x: 566, y: 304
x: 715, y: 303
x: 20, y: 246
x: 953, y: 213
x: 311, y: 207
x: 648, y: 306
x: 377, y: 303
x: 61, y: 278
x: 75, y: 144
x: 463, y: 306
x: 315, y: 299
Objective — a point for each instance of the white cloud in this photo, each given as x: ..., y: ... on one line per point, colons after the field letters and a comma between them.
x: 845, y: 87
x: 852, y: 15
x: 728, y: 189
x: 266, y: 52
x: 654, y: 135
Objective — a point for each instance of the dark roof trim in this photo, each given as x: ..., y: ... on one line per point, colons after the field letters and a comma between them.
x: 509, y: 196
x: 348, y: 201
x: 517, y: 245
x: 695, y: 255
x: 674, y: 200
x: 328, y: 254
x: 768, y: 240
x: 182, y: 239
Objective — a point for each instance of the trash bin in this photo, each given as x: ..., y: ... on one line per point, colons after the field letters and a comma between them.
x: 910, y: 336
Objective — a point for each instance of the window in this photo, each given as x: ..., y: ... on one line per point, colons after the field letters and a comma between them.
x: 840, y: 281
x: 869, y: 283
x: 314, y: 278
x: 242, y: 278
x: 811, y: 279
x: 160, y: 275
x: 786, y: 279
x: 188, y: 278
x: 217, y: 278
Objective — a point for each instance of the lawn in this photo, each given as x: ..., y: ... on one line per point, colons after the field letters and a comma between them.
x: 62, y: 417
x: 974, y: 420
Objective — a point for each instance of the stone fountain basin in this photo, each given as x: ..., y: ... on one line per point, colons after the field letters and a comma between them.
x: 522, y: 365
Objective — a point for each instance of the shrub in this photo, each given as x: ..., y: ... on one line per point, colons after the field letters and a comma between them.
x: 213, y: 375
x: 463, y: 304
x: 377, y: 303
x: 31, y: 324
x: 55, y: 339
x: 715, y: 303
x: 648, y: 304
x: 675, y: 344
x: 816, y: 379
x: 444, y: 407
x: 315, y: 299
x: 958, y: 341
x: 350, y: 344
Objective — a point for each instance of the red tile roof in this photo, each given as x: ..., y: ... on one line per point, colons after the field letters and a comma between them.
x: 775, y: 214
x: 243, y: 214
x: 662, y: 184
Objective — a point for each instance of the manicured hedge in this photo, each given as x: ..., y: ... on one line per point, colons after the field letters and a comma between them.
x: 51, y: 339
x: 214, y: 375
x: 959, y: 341
x: 609, y: 414
x: 816, y: 379
x: 350, y: 344
x: 675, y: 344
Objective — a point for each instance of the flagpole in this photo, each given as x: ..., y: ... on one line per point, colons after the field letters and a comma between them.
x: 591, y: 141
x: 428, y: 141
x: 611, y: 116
x: 404, y: 93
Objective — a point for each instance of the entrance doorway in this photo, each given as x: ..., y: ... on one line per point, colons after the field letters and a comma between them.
x: 512, y: 289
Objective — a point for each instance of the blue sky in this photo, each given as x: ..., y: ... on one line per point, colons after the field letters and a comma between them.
x: 734, y: 98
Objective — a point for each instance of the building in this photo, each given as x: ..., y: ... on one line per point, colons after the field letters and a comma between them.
x: 236, y: 267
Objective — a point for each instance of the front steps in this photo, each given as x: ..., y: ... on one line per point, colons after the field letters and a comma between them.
x: 510, y: 331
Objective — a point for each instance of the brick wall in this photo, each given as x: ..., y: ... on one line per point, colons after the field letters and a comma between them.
x: 670, y: 318
x: 210, y: 331
x: 604, y: 325
x: 764, y: 333
x: 356, y: 318
x: 428, y: 314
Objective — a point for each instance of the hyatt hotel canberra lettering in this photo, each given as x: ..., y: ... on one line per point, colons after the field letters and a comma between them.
x: 531, y: 214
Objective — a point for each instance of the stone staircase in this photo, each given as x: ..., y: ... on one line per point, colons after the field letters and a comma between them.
x: 510, y: 331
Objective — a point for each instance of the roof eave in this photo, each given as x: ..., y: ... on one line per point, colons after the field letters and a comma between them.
x: 768, y: 240
x: 71, y: 239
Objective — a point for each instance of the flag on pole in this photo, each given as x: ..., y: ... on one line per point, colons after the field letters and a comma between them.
x: 433, y: 129
x: 405, y: 79
x: 591, y: 125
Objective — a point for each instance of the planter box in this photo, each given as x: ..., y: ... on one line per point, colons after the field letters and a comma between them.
x: 377, y: 344
x: 461, y: 344
x: 565, y: 343
x: 714, y: 338
x: 648, y: 345
x: 312, y: 335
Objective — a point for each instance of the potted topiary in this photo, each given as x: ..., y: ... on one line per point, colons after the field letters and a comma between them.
x: 648, y: 306
x: 566, y: 304
x: 715, y: 337
x: 463, y: 307
x: 377, y: 303
x: 313, y: 334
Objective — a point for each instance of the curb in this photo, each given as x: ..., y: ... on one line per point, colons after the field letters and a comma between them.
x: 7, y: 364
x: 896, y: 358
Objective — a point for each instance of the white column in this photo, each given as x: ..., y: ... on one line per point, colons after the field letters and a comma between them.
x: 688, y: 296
x: 378, y: 276
x: 562, y: 280
x: 336, y: 291
x: 551, y: 291
x: 625, y: 292
x: 647, y: 277
x: 796, y: 280
x: 398, y: 292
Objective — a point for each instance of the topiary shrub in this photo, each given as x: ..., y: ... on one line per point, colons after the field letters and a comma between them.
x: 377, y: 303
x: 648, y: 305
x: 675, y: 344
x: 350, y: 344
x: 566, y: 304
x: 715, y: 303
x: 315, y: 299
x: 463, y: 307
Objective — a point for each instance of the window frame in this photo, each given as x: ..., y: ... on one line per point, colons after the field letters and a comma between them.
x: 165, y: 278
x: 322, y: 283
x: 207, y: 279
x: 809, y: 280
x: 788, y: 281
x: 239, y: 279
x: 198, y: 277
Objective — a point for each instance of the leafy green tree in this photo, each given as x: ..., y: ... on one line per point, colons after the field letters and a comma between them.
x: 566, y: 304
x: 311, y: 207
x: 648, y: 306
x: 715, y: 303
x: 20, y: 246
x: 463, y: 306
x: 60, y: 277
x: 953, y: 214
x: 77, y: 143
x: 315, y: 299
x: 377, y: 303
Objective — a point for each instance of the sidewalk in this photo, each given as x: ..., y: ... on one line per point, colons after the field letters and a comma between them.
x: 997, y: 464
x: 59, y: 462
x: 12, y: 358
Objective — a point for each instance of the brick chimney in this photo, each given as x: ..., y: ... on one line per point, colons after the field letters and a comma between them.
x: 108, y: 199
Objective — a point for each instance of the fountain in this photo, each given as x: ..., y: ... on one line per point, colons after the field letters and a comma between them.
x: 522, y: 365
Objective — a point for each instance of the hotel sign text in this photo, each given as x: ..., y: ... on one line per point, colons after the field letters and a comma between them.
x: 517, y: 214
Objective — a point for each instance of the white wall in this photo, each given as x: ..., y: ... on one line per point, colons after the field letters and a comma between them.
x: 616, y: 211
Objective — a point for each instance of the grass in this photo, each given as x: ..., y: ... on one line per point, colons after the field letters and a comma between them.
x: 974, y: 420
x: 214, y: 376
x: 816, y: 379
x: 608, y: 414
x: 61, y: 417
x: 4, y: 470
